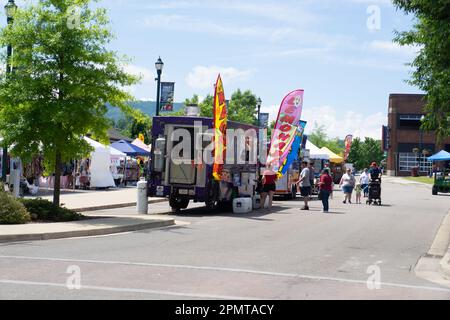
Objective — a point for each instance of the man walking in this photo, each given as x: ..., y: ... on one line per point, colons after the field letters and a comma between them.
x: 305, y: 184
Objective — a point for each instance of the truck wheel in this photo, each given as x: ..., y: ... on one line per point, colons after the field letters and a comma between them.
x: 435, y: 191
x: 177, y: 203
x: 212, y: 195
x: 294, y: 193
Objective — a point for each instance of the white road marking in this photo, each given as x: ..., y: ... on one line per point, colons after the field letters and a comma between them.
x: 232, y: 270
x: 129, y: 290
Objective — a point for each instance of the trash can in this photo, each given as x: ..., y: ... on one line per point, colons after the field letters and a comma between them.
x: 415, y: 172
x: 142, y: 200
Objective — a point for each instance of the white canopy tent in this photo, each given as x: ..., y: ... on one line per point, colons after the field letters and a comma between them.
x: 101, y: 176
x: 315, y: 152
x: 141, y: 145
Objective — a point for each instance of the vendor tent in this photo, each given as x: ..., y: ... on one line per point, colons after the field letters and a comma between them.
x: 115, y: 154
x: 440, y: 156
x: 315, y: 152
x: 130, y: 149
x: 334, y: 158
x: 141, y: 145
x: 101, y: 176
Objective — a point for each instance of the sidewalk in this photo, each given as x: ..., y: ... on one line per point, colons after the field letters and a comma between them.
x: 91, y: 200
x: 94, y: 226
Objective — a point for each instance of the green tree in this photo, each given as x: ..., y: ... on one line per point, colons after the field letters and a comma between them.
x: 206, y: 106
x: 431, y: 33
x: 64, y: 77
x: 241, y: 107
x: 195, y: 100
x: 318, y: 136
x: 355, y: 155
x: 362, y: 154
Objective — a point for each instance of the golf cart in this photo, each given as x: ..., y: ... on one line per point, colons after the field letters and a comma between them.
x: 441, y: 182
x: 441, y: 177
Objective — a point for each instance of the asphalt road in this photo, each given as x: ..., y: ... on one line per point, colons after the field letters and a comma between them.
x: 280, y: 254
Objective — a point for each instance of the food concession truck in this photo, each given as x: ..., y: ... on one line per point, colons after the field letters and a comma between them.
x: 191, y: 179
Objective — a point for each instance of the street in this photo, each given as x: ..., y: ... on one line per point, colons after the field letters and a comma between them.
x: 280, y: 254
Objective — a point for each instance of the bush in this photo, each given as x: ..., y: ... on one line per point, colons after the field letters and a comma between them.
x: 43, y: 210
x: 12, y: 211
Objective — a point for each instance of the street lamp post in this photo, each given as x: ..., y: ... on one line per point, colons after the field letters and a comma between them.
x: 259, y: 112
x: 421, y: 142
x: 159, y: 65
x: 10, y: 8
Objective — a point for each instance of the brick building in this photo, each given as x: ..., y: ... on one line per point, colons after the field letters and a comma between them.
x: 406, y: 144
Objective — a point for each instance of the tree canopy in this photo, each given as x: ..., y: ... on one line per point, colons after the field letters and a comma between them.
x: 64, y: 76
x: 363, y: 153
x: 431, y: 33
x: 320, y: 138
x: 241, y: 106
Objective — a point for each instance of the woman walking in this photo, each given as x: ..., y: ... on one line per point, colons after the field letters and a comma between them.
x: 348, y: 184
x: 269, y: 187
x: 325, y: 187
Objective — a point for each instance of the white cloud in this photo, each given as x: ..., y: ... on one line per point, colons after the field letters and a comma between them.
x: 202, y: 77
x: 340, y: 124
x: 392, y: 47
x: 270, y: 10
x: 187, y: 24
x: 146, y: 83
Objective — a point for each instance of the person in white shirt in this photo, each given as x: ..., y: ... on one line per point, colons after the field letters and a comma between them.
x: 364, y: 180
x: 348, y: 184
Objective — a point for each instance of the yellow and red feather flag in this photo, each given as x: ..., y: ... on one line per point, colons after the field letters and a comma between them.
x: 220, y: 129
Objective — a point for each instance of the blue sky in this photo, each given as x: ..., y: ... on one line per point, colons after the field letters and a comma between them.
x: 272, y: 47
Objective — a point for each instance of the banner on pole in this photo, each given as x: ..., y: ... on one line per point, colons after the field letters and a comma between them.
x: 167, y: 96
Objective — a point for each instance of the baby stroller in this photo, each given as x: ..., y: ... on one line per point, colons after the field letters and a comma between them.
x: 374, y: 192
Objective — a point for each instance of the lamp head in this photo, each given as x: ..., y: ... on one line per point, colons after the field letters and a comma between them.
x: 10, y: 9
x: 159, y: 65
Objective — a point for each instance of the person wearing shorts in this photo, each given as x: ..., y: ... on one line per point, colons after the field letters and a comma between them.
x: 269, y: 187
x: 348, y: 184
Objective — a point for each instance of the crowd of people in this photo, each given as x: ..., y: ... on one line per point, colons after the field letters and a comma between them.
x: 306, y: 183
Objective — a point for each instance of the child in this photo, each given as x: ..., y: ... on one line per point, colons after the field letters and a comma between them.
x: 358, y: 191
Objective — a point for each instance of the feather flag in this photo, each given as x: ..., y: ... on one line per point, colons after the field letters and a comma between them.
x: 296, y: 146
x: 285, y: 130
x: 348, y: 146
x: 220, y: 129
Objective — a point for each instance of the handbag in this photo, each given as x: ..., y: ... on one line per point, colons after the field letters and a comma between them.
x: 320, y: 195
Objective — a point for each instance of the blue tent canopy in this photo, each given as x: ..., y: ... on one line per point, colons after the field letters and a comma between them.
x: 130, y: 149
x: 440, y: 156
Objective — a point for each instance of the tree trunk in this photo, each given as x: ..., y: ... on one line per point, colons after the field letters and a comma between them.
x: 57, y: 186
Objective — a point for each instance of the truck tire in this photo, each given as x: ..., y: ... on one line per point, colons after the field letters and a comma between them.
x: 212, y: 195
x: 435, y: 191
x: 294, y: 193
x: 177, y: 203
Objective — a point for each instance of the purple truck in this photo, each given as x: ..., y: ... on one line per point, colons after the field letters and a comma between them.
x: 181, y: 162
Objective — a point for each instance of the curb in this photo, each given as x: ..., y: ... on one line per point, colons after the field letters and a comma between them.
x: 87, y: 233
x: 445, y: 265
x: 115, y: 206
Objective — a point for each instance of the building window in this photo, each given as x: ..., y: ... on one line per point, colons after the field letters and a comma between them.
x: 410, y: 121
x: 408, y: 161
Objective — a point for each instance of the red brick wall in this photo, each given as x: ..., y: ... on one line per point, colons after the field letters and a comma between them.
x: 406, y: 104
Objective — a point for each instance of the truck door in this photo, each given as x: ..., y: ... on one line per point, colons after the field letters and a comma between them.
x: 184, y: 173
